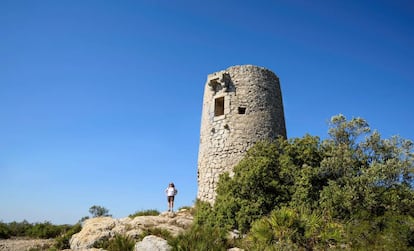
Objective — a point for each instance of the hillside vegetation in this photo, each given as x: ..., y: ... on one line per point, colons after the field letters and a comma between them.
x: 353, y: 190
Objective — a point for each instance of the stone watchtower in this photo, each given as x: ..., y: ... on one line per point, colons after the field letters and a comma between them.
x: 242, y: 105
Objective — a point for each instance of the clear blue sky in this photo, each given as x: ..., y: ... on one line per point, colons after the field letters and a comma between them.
x: 100, y: 101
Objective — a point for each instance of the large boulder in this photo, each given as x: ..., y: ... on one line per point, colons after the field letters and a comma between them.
x: 93, y: 230
x: 101, y: 228
x: 152, y: 243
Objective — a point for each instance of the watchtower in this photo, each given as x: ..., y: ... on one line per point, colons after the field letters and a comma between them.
x: 241, y: 106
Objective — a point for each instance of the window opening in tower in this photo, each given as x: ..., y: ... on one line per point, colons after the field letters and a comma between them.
x: 242, y: 110
x: 219, y: 106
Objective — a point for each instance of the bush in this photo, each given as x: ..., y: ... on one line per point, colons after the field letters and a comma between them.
x: 387, y: 232
x: 4, y: 231
x: 200, y: 237
x: 342, y: 192
x: 99, y: 211
x: 188, y: 208
x: 124, y: 243
x: 45, y: 230
x: 162, y: 233
x: 345, y: 192
x: 204, y: 234
x: 258, y: 185
x: 18, y: 229
x: 291, y: 228
x: 117, y: 243
x: 149, y: 212
x: 62, y: 241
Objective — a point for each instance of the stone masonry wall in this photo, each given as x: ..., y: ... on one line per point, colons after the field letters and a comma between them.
x: 252, y: 110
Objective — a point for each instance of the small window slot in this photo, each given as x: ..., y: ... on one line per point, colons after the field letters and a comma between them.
x: 242, y: 110
x: 219, y: 106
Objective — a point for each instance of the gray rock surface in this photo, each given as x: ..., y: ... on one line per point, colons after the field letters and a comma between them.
x: 152, y: 243
x: 100, y: 228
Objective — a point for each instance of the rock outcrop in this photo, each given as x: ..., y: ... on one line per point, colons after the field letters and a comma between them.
x: 152, y: 243
x: 102, y: 228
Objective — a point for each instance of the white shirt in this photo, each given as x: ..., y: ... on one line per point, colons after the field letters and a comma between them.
x: 170, y: 191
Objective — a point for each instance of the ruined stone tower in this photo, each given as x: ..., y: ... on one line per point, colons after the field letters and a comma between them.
x: 242, y: 105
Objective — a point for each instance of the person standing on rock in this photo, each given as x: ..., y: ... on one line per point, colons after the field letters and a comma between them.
x: 171, y: 192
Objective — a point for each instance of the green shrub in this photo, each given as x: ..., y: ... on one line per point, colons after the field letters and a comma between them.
x: 43, y: 248
x: 189, y: 208
x: 185, y: 207
x: 204, y: 234
x: 387, y: 232
x: 18, y: 229
x: 117, y: 243
x: 345, y: 192
x: 290, y: 228
x: 4, y: 231
x: 45, y: 230
x: 124, y: 243
x: 99, y: 211
x: 200, y: 238
x: 203, y: 214
x: 149, y: 212
x: 258, y: 185
x: 163, y: 233
x: 62, y: 241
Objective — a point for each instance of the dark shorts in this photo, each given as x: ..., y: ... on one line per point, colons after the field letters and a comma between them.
x: 170, y: 198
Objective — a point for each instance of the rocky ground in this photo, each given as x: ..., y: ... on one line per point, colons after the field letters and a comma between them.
x: 101, y: 228
x: 96, y: 229
x: 20, y: 244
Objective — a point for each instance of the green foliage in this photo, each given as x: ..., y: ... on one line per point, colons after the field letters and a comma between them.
x: 124, y: 243
x: 18, y: 229
x: 185, y: 207
x: 388, y: 232
x: 345, y: 132
x: 256, y: 187
x: 163, y: 233
x: 62, y: 241
x: 43, y: 230
x: 117, y: 243
x: 42, y: 248
x: 98, y: 211
x: 149, y: 212
x: 84, y: 218
x: 204, y: 234
x: 200, y: 237
x: 299, y: 160
x: 4, y: 231
x: 287, y: 228
x: 188, y: 208
x: 203, y: 214
x: 351, y: 190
